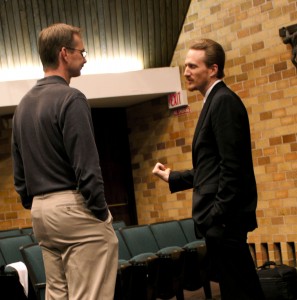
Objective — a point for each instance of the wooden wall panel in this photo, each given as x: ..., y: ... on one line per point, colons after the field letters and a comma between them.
x: 145, y: 29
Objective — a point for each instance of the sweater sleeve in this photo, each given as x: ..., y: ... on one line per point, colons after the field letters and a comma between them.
x: 79, y: 142
x: 19, y: 176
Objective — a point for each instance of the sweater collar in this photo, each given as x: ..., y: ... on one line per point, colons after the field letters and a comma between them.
x: 51, y: 80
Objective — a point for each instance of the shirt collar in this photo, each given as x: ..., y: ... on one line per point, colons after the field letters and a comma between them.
x: 51, y: 80
x: 209, y: 90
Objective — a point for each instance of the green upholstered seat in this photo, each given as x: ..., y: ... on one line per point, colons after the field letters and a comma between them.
x: 10, y: 232
x: 9, y: 247
x: 32, y: 256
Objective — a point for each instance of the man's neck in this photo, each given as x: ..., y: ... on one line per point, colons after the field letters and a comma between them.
x: 57, y: 72
x: 208, y: 86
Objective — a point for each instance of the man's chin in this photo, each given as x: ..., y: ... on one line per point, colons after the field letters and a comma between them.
x: 77, y: 74
x: 191, y: 88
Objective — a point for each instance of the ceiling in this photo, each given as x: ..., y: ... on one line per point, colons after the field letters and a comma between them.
x: 146, y: 29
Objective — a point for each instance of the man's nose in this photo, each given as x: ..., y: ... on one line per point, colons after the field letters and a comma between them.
x: 186, y: 72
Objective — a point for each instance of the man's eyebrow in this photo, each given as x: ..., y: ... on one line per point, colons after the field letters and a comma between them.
x: 190, y: 65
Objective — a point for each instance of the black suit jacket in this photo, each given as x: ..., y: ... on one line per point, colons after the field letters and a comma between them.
x: 222, y: 178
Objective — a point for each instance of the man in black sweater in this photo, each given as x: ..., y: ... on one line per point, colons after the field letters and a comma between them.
x: 58, y: 176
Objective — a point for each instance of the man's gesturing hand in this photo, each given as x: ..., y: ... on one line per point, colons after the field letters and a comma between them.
x: 161, y: 171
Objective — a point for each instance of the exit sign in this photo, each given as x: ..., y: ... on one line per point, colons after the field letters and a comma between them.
x: 177, y: 100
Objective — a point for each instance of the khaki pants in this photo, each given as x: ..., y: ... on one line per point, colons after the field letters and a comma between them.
x: 80, y: 252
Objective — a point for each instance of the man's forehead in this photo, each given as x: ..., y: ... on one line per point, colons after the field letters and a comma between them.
x: 77, y: 39
x: 194, y: 56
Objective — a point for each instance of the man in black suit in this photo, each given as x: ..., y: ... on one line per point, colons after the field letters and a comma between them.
x: 222, y: 178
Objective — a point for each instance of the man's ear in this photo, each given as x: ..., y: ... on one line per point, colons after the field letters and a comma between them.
x: 63, y: 53
x: 214, y: 70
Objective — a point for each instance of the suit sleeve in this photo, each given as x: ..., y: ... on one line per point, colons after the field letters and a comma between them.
x: 180, y: 180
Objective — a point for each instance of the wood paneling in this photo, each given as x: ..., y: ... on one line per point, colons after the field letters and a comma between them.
x: 146, y: 29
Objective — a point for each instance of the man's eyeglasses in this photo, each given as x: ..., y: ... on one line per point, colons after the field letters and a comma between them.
x: 82, y: 52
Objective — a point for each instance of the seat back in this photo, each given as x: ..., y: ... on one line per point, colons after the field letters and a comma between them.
x: 123, y: 249
x: 139, y: 239
x: 2, y: 261
x: 188, y: 228
x: 27, y: 230
x: 168, y: 234
x: 32, y: 256
x: 10, y: 247
x: 118, y: 224
x: 10, y: 232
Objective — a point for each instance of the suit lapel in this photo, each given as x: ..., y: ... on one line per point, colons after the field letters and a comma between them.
x: 205, y: 110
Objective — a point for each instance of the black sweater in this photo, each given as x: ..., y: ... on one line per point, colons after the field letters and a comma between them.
x: 53, y: 145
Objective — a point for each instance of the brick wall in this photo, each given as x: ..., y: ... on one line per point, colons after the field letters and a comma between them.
x: 260, y: 71
x: 12, y: 214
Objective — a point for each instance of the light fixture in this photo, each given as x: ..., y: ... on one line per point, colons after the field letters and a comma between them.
x: 112, y: 65
x: 289, y: 35
x: 99, y: 66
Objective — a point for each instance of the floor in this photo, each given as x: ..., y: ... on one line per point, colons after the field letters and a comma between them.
x: 199, y: 294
